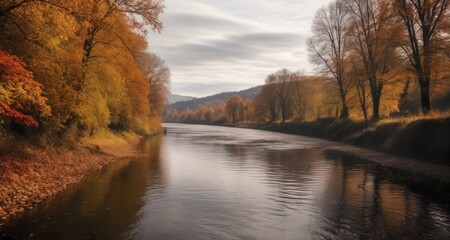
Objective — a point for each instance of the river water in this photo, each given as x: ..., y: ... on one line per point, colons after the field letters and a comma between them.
x: 207, y: 182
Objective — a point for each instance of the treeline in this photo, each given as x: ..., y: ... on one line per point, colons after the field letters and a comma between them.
x: 232, y: 110
x: 71, y: 68
x: 285, y: 96
x: 294, y: 96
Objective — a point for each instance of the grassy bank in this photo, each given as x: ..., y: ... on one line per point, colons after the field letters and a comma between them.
x: 423, y: 137
x: 29, y: 175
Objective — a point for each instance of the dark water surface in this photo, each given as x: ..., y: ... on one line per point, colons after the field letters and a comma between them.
x: 206, y: 182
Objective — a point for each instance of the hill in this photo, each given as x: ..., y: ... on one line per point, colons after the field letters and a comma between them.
x: 194, y: 103
x: 173, y: 98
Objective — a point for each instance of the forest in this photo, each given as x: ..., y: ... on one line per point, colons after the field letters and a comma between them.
x: 375, y: 59
x: 70, y: 69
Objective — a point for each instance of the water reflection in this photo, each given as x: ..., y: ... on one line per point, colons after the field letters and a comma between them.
x: 205, y: 182
x: 103, y: 207
x: 228, y: 184
x: 358, y: 204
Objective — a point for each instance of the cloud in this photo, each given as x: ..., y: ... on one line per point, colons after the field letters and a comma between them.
x: 213, y: 46
x: 232, y: 48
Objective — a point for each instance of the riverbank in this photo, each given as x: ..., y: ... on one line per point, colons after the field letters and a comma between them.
x: 415, y: 150
x: 30, y: 175
x: 426, y: 139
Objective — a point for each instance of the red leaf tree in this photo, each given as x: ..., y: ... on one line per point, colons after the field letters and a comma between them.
x: 21, y: 97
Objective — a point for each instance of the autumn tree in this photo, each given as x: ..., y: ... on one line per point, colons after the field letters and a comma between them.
x: 327, y: 46
x: 21, y: 97
x: 235, y: 109
x: 358, y: 76
x: 422, y: 20
x: 280, y: 83
x: 248, y: 110
x: 114, y: 25
x: 219, y: 112
x: 305, y: 97
x: 97, y: 15
x: 171, y: 115
x: 265, y: 104
x: 373, y: 31
x: 158, y: 76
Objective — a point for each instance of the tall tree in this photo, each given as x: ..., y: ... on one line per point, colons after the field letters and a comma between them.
x: 359, y: 82
x: 158, y: 76
x: 265, y: 104
x: 279, y: 83
x: 235, y: 109
x: 422, y: 20
x: 372, y: 31
x: 327, y: 46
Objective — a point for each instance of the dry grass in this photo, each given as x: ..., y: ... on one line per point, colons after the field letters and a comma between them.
x: 30, y: 175
x: 425, y: 137
x: 412, y: 118
x: 114, y: 144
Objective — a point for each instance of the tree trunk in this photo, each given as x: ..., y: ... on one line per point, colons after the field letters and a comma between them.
x: 425, y: 81
x: 365, y: 115
x: 344, y: 113
x: 376, y: 106
x: 425, y: 95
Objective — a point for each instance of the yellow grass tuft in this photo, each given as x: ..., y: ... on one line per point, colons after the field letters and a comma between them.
x: 415, y: 117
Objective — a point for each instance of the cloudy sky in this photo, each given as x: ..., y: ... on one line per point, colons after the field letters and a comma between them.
x: 213, y: 46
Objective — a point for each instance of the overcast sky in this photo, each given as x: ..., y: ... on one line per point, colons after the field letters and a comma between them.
x: 213, y: 46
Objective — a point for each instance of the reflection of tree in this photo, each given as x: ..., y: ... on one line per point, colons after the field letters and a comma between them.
x: 105, y: 205
x: 358, y: 203
x: 156, y: 175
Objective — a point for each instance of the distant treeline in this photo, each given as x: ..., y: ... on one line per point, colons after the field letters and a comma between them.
x: 196, y: 102
x: 375, y: 59
x: 71, y: 68
x: 296, y: 97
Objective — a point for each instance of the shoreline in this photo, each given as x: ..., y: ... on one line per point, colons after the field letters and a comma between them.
x: 29, y: 175
x: 423, y: 140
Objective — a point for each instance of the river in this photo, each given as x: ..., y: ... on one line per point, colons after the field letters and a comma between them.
x: 208, y: 182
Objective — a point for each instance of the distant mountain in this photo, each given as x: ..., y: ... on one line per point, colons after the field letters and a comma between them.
x: 195, y: 102
x: 173, y: 98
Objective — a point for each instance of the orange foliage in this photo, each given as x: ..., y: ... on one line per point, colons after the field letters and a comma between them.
x: 21, y: 97
x: 232, y: 110
x: 84, y: 56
